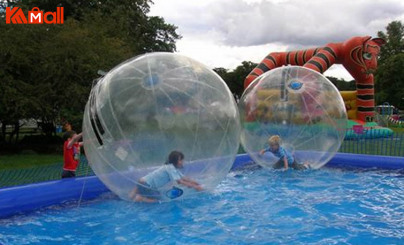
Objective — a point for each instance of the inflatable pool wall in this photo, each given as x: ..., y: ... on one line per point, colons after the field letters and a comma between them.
x: 27, y: 198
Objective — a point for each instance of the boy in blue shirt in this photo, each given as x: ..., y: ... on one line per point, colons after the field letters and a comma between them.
x: 286, y: 159
x: 147, y: 188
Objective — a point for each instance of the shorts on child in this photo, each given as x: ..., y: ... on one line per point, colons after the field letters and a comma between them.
x: 294, y: 165
x: 146, y: 191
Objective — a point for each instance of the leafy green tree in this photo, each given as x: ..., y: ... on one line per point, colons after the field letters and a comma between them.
x: 394, y: 40
x: 124, y: 19
x: 235, y: 78
x: 239, y: 74
x: 223, y: 73
x: 389, y: 77
x: 18, y: 55
x: 46, y: 71
x: 390, y: 81
x: 14, y: 105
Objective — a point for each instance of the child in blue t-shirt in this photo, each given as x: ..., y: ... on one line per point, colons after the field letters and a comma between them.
x: 286, y: 159
x: 147, y: 188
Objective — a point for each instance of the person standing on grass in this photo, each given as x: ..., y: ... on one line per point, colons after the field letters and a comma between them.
x: 71, y: 153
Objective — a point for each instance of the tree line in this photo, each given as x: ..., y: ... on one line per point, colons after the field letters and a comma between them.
x: 389, y: 77
x: 47, y: 71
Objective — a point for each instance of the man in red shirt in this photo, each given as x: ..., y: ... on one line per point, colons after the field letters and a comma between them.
x: 71, y: 153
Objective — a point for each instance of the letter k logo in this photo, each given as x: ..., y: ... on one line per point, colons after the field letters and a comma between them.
x: 15, y: 16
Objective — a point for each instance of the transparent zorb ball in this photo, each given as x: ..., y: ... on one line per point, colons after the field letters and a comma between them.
x: 154, y: 104
x: 302, y: 107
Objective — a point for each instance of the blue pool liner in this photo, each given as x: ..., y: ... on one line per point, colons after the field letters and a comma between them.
x: 27, y: 198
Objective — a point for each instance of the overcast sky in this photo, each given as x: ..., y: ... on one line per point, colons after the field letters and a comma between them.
x: 223, y: 33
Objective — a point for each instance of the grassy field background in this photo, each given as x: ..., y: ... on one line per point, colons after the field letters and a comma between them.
x: 29, y: 160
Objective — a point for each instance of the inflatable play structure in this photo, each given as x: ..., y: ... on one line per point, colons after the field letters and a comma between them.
x: 359, y: 56
x: 359, y: 127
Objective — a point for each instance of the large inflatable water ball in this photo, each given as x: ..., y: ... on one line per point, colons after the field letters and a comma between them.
x: 154, y: 104
x: 300, y: 106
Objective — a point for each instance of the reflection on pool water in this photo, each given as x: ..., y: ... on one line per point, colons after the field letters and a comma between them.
x: 255, y: 206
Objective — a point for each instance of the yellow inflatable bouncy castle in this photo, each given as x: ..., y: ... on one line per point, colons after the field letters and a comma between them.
x: 349, y: 98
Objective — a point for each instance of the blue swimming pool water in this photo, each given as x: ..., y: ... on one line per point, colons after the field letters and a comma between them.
x: 255, y: 206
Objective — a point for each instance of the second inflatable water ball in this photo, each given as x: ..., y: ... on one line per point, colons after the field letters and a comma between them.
x: 300, y: 106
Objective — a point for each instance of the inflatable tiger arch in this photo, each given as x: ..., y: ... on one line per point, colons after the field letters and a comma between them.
x: 358, y: 55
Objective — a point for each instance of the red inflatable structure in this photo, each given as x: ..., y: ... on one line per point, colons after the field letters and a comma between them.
x: 358, y: 55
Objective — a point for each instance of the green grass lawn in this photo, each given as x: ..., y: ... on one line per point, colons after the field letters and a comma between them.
x: 23, y: 161
x: 397, y: 130
x: 31, y: 168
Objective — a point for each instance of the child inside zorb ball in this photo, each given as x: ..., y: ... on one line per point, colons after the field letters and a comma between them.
x: 301, y: 107
x: 150, y: 105
x: 147, y: 187
x: 286, y: 158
